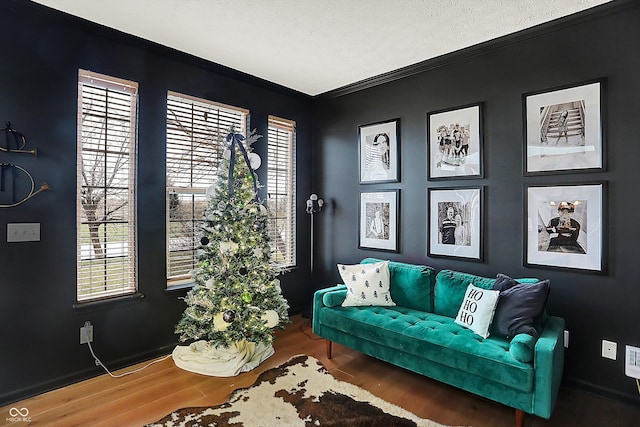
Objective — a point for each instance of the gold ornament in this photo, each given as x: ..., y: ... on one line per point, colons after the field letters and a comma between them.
x: 219, y: 323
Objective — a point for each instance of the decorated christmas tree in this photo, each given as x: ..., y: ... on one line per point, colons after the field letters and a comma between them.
x: 236, y: 301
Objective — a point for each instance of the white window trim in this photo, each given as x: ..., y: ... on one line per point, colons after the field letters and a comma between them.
x: 131, y: 88
x: 290, y: 127
x: 184, y: 279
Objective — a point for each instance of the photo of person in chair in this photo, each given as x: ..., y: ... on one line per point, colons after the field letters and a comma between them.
x: 564, y: 231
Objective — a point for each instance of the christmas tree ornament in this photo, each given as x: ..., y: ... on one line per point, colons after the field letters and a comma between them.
x: 219, y: 323
x: 228, y: 248
x: 204, y: 241
x: 271, y: 318
x: 243, y: 271
x: 255, y: 161
x: 229, y: 316
x: 246, y: 297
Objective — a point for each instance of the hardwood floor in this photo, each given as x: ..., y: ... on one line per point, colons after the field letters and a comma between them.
x: 146, y: 396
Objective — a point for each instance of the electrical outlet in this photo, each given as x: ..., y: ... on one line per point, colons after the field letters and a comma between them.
x: 632, y: 362
x: 609, y: 349
x: 566, y: 339
x: 86, y: 333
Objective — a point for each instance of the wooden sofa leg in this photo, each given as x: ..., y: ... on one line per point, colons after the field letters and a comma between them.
x: 520, y: 417
x: 328, y: 343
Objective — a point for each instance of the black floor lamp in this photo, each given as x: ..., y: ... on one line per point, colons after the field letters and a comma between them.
x: 314, y: 204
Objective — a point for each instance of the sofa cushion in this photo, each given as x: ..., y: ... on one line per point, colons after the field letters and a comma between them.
x: 520, y: 306
x: 477, y: 309
x: 432, y: 337
x: 411, y: 285
x: 367, y: 284
x: 451, y: 287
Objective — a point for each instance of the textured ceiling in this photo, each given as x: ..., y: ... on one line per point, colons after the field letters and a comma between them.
x: 315, y: 46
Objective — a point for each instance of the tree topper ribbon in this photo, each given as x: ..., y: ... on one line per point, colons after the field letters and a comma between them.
x: 237, y: 138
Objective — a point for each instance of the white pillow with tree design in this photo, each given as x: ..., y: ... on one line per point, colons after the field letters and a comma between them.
x: 367, y: 284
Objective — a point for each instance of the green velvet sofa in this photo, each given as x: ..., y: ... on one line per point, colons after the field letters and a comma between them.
x: 420, y: 334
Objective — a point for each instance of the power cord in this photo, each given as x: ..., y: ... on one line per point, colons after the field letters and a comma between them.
x: 99, y: 363
x: 307, y: 324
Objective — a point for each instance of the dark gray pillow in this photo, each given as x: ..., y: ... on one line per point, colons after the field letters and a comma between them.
x: 519, y: 306
x: 503, y: 282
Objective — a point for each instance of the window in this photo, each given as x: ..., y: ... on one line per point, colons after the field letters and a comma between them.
x: 194, y: 127
x: 281, y: 190
x: 106, y: 169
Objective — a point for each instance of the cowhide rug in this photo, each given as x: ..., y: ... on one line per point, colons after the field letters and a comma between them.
x: 300, y: 392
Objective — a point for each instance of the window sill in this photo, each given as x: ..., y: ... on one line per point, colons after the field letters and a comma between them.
x: 99, y: 303
x: 178, y: 290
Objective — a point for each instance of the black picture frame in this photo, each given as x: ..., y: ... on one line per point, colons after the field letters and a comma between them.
x: 455, y: 222
x: 455, y: 143
x: 379, y: 152
x: 379, y: 220
x: 572, y: 115
x: 565, y: 226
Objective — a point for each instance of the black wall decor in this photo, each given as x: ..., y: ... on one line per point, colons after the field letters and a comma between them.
x: 39, y: 328
x: 498, y: 73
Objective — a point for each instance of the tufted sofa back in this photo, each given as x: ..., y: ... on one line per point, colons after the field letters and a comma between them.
x: 450, y: 287
x: 411, y: 285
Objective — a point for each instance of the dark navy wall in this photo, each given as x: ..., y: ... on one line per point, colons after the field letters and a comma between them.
x: 597, y: 45
x: 39, y: 326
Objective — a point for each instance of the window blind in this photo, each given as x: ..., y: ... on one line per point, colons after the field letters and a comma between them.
x: 194, y: 128
x: 281, y: 190
x: 106, y: 170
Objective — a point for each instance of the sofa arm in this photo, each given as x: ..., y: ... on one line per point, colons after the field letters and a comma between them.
x: 333, y: 297
x: 548, y: 364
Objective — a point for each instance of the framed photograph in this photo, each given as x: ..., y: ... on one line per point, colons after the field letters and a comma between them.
x: 379, y: 219
x: 454, y: 218
x: 564, y: 226
x: 563, y: 129
x: 379, y: 152
x: 454, y: 143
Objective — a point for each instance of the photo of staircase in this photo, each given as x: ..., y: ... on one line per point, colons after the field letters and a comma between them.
x: 563, y: 124
x: 564, y: 129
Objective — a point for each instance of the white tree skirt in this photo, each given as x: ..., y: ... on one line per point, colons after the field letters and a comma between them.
x: 203, y: 358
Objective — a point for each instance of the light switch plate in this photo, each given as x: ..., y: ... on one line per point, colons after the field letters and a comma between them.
x: 23, y: 232
x: 609, y: 349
